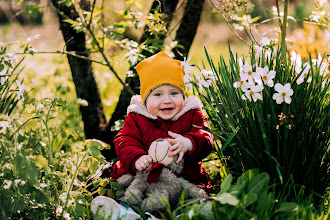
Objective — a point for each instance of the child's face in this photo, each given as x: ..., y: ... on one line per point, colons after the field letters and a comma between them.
x: 165, y: 102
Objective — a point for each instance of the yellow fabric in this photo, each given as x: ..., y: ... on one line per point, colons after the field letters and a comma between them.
x: 157, y: 70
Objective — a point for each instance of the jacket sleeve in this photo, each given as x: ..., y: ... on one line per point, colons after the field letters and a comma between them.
x: 201, y: 139
x: 128, y: 143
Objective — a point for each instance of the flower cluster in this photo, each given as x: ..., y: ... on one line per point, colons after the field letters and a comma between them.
x: 252, y: 82
x: 203, y: 78
x: 253, y: 78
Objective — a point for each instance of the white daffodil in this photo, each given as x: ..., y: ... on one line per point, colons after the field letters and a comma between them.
x: 295, y: 59
x: 208, y: 76
x: 253, y: 93
x: 258, y: 50
x: 247, y: 74
x: 243, y: 84
x: 201, y: 82
x: 304, y: 73
x: 284, y: 93
x: 187, y: 68
x: 187, y: 80
x: 20, y: 90
x: 320, y: 63
x: 266, y: 75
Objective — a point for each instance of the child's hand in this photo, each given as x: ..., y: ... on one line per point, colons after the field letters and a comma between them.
x: 143, y: 162
x: 180, y: 145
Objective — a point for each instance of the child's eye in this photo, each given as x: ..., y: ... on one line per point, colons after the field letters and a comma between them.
x: 174, y: 93
x: 157, y: 94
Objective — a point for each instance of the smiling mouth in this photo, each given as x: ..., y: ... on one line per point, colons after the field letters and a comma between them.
x: 166, y: 109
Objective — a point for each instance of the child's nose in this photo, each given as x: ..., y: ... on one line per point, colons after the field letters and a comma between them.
x: 167, y: 99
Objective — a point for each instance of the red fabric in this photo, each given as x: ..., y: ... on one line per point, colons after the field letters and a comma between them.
x: 139, y: 132
x: 154, y: 172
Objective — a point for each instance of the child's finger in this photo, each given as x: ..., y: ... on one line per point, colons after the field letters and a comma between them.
x: 149, y: 159
x: 174, y: 146
x: 174, y: 152
x: 173, y: 135
x: 180, y: 157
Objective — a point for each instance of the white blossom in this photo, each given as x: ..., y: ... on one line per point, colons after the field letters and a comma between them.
x: 253, y: 93
x: 244, y: 85
x: 266, y: 75
x: 304, y: 73
x: 187, y: 68
x: 284, y: 93
x: 20, y: 90
x: 3, y: 126
x: 248, y: 74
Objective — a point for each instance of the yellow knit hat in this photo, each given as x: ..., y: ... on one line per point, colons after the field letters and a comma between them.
x: 157, y: 70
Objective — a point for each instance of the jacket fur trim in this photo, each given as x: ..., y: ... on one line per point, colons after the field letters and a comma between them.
x: 137, y: 106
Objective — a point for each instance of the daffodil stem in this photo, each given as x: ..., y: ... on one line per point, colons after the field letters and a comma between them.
x: 284, y: 27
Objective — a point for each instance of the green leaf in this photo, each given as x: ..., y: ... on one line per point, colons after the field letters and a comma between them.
x: 249, y: 198
x: 227, y: 198
x: 116, y: 186
x: 226, y: 184
x: 238, y: 189
x: 258, y: 183
x: 95, y: 151
x: 288, y: 207
x: 247, y: 176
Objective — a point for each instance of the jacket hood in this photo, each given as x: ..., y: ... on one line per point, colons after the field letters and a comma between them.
x: 137, y: 106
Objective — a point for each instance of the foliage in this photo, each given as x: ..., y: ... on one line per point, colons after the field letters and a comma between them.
x: 38, y: 180
x: 42, y: 169
x: 282, y: 131
x: 248, y: 197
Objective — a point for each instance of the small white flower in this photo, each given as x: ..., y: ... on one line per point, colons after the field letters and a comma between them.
x: 284, y: 93
x: 20, y: 90
x: 320, y: 63
x: 295, y: 58
x: 40, y: 106
x: 141, y: 24
x: 266, y: 75
x: 208, y: 76
x: 253, y: 93
x: 187, y: 80
x: 244, y: 85
x: 201, y: 82
x: 7, y: 184
x: 247, y: 74
x: 304, y: 73
x: 31, y: 38
x: 3, y: 126
x: 265, y: 41
x: 3, y: 77
x: 173, y: 44
x: 187, y: 68
x: 82, y: 102
x: 258, y: 50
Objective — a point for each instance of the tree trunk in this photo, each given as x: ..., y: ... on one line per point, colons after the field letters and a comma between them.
x: 188, y: 27
x: 82, y: 73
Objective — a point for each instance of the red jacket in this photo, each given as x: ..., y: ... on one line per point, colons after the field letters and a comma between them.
x: 142, y: 128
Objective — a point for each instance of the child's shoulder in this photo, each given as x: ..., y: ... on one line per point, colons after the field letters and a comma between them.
x: 192, y: 102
